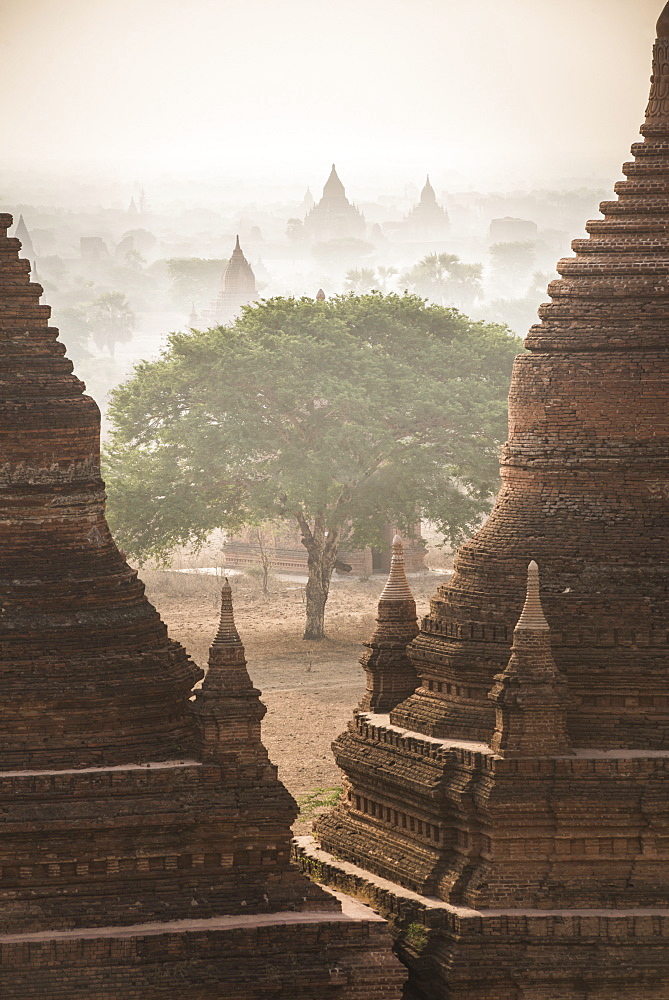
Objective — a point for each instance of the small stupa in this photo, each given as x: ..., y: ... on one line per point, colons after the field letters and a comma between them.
x: 391, y: 676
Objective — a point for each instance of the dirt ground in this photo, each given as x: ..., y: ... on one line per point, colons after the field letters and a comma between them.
x: 310, y: 688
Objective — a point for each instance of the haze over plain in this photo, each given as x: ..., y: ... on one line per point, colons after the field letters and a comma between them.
x: 261, y: 96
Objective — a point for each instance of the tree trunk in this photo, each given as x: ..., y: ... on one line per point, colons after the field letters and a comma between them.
x: 321, y: 548
x: 316, y: 595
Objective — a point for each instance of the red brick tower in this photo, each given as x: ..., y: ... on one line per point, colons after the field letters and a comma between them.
x: 144, y: 846
x: 529, y: 795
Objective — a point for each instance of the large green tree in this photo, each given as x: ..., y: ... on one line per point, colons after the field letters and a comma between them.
x: 342, y: 415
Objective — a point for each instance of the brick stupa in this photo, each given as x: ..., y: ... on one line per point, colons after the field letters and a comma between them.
x: 519, y: 806
x: 145, y: 838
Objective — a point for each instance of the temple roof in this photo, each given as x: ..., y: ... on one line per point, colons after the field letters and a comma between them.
x: 428, y: 194
x: 238, y: 277
x: 333, y: 186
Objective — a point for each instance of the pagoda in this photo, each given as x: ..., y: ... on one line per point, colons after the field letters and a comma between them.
x: 238, y: 287
x: 514, y: 807
x: 427, y: 220
x: 23, y: 235
x: 144, y: 848
x: 334, y: 217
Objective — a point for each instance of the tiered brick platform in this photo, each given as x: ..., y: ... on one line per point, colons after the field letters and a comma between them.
x: 145, y: 837
x: 525, y: 794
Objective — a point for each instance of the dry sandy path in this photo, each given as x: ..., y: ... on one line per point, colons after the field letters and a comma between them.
x: 310, y: 688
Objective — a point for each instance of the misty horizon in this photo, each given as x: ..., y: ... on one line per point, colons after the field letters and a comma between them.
x: 222, y: 103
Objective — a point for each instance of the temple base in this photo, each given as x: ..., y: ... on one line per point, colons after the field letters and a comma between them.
x: 297, y: 956
x: 457, y: 953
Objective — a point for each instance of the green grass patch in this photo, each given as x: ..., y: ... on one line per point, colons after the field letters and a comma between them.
x: 319, y: 798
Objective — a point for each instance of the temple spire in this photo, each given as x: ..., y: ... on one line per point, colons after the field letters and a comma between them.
x: 657, y: 112
x: 391, y: 676
x: 533, y: 614
x: 227, y: 630
x: 531, y: 695
x: 428, y: 192
x: 333, y: 186
x: 227, y: 706
x: 397, y: 587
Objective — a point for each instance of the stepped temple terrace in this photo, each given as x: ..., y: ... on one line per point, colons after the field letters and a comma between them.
x: 514, y: 805
x: 145, y: 838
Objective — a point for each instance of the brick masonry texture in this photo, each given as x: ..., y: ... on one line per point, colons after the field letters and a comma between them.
x: 522, y: 786
x: 125, y: 799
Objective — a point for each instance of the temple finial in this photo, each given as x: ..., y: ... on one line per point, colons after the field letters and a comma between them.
x: 532, y: 616
x: 320, y: 295
x: 663, y: 23
x: 227, y: 630
x: 391, y: 676
x: 397, y: 587
x: 237, y: 246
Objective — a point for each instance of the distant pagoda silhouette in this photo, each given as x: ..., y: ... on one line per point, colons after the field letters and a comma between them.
x: 23, y: 235
x: 334, y: 217
x: 527, y: 792
x: 145, y: 834
x: 427, y: 220
x: 238, y: 287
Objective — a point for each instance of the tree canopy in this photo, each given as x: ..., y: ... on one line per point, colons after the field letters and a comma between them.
x: 445, y: 277
x: 343, y: 415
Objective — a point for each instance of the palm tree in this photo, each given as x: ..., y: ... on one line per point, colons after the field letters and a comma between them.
x: 112, y: 320
x: 385, y: 276
x: 445, y: 279
x: 361, y: 280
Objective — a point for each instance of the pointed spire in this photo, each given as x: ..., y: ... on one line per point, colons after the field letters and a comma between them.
x: 333, y: 186
x: 227, y: 630
x: 227, y: 707
x: 320, y: 295
x: 22, y: 234
x: 532, y: 616
x: 428, y: 192
x: 239, y: 282
x: 531, y: 696
x: 657, y: 112
x: 397, y: 587
x: 391, y: 676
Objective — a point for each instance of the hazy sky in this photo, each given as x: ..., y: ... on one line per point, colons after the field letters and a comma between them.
x: 499, y: 93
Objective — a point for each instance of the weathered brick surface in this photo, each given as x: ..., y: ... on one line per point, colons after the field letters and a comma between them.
x: 585, y: 491
x: 527, y: 792
x: 323, y: 961
x: 465, y: 954
x: 125, y: 800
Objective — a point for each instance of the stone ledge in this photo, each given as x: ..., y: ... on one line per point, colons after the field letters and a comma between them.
x: 395, y: 901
